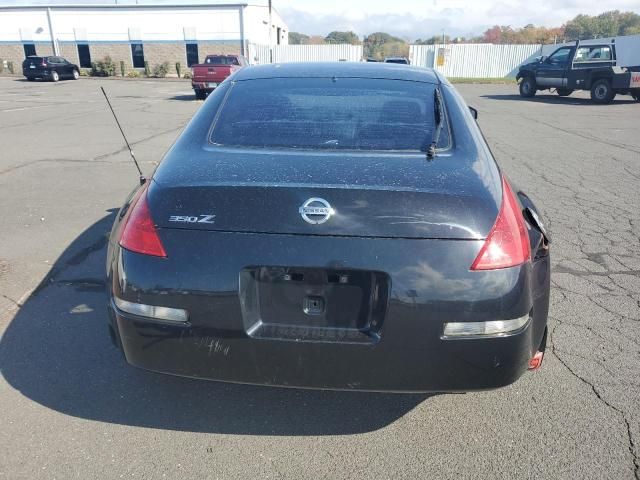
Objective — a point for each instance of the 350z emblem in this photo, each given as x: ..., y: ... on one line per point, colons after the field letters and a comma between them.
x: 192, y: 219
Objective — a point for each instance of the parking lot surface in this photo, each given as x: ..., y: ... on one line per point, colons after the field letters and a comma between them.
x: 71, y: 408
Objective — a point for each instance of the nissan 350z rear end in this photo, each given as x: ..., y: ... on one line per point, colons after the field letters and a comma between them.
x: 336, y: 227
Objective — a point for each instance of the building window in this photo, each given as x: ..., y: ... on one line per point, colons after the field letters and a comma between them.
x: 29, y: 49
x: 137, y: 55
x: 192, y: 54
x: 279, y: 35
x: 84, y: 55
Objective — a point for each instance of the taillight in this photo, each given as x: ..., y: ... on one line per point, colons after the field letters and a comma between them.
x: 139, y: 232
x: 508, y: 242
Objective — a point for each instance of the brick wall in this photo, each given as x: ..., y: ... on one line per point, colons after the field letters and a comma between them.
x: 212, y: 48
x: 117, y: 51
x: 14, y: 52
x: 157, y: 53
x: 69, y: 51
x: 154, y: 53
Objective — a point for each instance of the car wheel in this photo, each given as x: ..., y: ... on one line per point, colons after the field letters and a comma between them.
x: 76, y: 74
x: 564, y: 92
x: 200, y: 94
x: 602, y: 92
x: 54, y: 76
x: 636, y: 96
x: 528, y: 87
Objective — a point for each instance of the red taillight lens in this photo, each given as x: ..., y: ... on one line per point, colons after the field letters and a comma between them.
x: 508, y: 242
x: 139, y: 232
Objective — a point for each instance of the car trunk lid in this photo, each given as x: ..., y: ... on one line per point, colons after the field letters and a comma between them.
x: 366, y: 195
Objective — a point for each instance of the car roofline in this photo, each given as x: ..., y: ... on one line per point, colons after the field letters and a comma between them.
x: 361, y: 70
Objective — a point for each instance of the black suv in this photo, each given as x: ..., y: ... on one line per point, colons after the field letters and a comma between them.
x: 49, y: 68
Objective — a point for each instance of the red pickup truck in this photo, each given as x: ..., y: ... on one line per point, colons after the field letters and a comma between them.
x: 205, y: 77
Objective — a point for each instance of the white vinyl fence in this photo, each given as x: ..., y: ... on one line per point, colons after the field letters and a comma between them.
x: 482, y: 60
x: 259, y: 54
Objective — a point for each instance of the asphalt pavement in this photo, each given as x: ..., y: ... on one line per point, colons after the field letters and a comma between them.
x: 71, y: 408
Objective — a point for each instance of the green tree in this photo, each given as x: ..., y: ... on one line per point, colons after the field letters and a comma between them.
x: 607, y: 24
x: 342, y: 37
x: 380, y: 44
x: 296, y: 38
x: 436, y: 39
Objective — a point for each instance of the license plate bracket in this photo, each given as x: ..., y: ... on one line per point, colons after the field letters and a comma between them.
x: 313, y: 304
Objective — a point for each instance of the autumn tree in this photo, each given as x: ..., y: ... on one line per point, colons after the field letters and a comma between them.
x: 607, y: 24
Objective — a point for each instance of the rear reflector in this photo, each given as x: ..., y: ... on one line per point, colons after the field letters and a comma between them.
x: 536, y: 361
x: 508, y: 242
x: 493, y: 328
x: 139, y: 232
x: 151, y: 311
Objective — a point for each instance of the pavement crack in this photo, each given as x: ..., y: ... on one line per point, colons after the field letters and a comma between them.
x: 137, y: 142
x: 51, y: 160
x: 631, y: 443
x: 622, y: 146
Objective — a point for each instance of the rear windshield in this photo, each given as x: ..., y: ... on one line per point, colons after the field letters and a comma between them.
x: 220, y: 60
x: 33, y: 60
x: 325, y: 113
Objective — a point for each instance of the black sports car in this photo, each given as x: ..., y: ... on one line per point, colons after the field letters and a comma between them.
x: 335, y: 226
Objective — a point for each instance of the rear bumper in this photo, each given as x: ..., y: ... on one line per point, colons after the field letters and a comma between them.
x: 36, y: 73
x: 204, y: 86
x: 422, y: 365
x: 430, y: 285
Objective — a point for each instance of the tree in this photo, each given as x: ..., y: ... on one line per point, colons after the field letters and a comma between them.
x: 380, y: 44
x: 316, y: 40
x: 296, y: 38
x: 530, y: 34
x: 436, y: 39
x: 342, y: 37
x: 607, y: 24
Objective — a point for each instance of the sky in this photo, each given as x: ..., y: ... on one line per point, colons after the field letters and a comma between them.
x: 412, y: 19
x: 409, y: 19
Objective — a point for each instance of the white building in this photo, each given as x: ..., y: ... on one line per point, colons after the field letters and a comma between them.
x: 135, y: 31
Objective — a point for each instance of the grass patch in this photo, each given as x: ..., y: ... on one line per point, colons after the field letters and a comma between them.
x: 496, y: 81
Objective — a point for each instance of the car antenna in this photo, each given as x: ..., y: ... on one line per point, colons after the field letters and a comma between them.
x: 142, y: 178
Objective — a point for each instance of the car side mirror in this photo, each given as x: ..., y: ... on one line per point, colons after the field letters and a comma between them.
x: 474, y: 113
x: 543, y: 59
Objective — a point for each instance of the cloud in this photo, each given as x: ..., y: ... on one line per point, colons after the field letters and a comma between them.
x: 413, y: 19
x: 404, y: 25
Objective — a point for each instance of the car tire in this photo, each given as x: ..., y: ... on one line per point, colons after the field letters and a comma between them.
x: 636, y: 96
x: 54, y: 76
x: 564, y: 92
x: 528, y: 87
x: 602, y: 92
x: 200, y: 94
x: 76, y: 74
